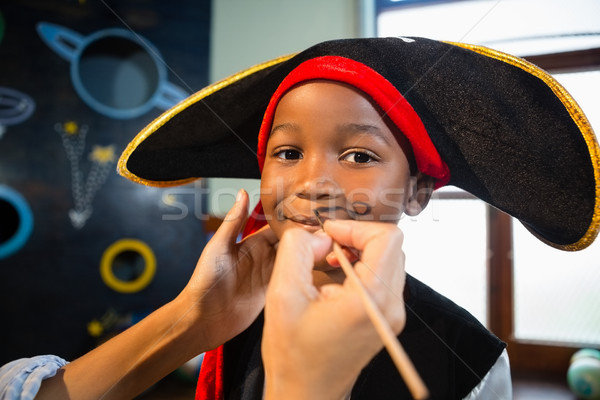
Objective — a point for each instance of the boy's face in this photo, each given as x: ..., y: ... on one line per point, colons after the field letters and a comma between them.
x: 332, y: 150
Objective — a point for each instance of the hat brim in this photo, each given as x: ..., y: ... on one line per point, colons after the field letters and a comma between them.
x: 509, y: 132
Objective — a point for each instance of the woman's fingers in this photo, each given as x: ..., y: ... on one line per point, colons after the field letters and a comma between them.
x: 296, y: 254
x: 234, y: 221
x: 381, y: 264
x: 379, y: 244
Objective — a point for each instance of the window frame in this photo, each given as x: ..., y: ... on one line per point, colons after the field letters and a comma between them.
x: 526, y: 357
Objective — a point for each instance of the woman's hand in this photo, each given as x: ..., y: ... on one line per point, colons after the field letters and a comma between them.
x: 317, y: 340
x: 227, y: 289
x: 225, y: 294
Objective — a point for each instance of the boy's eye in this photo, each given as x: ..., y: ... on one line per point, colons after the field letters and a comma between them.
x: 359, y: 157
x: 289, y: 154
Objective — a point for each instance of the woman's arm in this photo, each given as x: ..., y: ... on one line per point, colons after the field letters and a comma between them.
x: 224, y: 295
x: 132, y: 361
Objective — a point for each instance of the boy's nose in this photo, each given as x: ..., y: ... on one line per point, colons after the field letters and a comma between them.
x: 318, y: 181
x: 319, y: 188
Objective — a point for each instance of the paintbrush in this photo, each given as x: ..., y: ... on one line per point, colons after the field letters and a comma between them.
x: 396, y: 351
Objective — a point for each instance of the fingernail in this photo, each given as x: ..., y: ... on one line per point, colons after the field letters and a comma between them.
x: 239, y: 195
x: 321, y: 233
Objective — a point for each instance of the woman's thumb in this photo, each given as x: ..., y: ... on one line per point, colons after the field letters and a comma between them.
x: 234, y: 221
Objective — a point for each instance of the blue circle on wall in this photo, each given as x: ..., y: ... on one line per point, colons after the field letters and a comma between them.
x: 17, y: 221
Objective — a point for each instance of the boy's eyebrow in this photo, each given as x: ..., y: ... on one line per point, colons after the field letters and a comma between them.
x: 363, y: 129
x: 286, y: 126
x: 347, y: 128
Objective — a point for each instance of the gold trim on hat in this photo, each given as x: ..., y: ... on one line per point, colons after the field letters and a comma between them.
x: 578, y: 117
x: 176, y: 109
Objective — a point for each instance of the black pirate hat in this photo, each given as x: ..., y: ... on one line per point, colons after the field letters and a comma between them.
x: 505, y: 130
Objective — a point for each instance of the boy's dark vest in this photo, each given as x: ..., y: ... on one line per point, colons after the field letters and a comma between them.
x: 451, y: 351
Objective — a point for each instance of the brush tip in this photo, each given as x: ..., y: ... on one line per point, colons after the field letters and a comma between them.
x: 319, y: 218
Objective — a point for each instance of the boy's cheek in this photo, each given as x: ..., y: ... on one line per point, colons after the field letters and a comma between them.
x: 391, y: 209
x: 385, y: 203
x: 276, y: 222
x: 274, y: 184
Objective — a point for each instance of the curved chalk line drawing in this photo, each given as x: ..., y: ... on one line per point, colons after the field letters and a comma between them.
x: 15, y: 107
x: 102, y: 159
x: 115, y: 72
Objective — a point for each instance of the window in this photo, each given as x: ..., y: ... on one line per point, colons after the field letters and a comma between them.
x: 445, y: 248
x: 546, y: 306
x: 545, y: 303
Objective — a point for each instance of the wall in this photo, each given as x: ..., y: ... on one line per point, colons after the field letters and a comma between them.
x: 62, y: 205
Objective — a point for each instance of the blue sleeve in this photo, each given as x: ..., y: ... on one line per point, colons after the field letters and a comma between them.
x: 21, y: 379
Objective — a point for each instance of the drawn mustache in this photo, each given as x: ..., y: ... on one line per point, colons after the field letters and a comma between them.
x: 359, y: 208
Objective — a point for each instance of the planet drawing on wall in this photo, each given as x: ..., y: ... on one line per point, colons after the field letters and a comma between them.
x: 116, y: 72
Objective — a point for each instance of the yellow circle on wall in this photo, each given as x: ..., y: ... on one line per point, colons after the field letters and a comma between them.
x: 108, y: 260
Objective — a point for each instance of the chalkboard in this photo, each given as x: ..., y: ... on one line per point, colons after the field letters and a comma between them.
x: 83, y: 251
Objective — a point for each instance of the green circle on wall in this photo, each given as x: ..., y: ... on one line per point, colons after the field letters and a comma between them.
x: 1, y: 26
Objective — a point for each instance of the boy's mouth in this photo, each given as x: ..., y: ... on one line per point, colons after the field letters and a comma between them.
x: 304, y: 220
x: 310, y: 219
